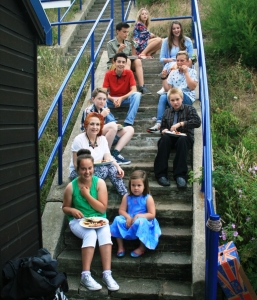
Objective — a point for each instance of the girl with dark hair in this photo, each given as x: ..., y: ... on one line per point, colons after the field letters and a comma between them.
x: 93, y: 139
x: 86, y: 196
x: 137, y: 217
x: 175, y: 42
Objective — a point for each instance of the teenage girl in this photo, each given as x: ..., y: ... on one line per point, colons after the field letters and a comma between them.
x: 175, y: 42
x: 137, y: 217
x: 145, y: 42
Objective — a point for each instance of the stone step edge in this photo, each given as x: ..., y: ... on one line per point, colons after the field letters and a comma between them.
x: 129, y: 289
x: 150, y: 257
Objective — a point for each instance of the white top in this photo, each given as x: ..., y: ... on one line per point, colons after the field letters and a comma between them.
x: 81, y: 142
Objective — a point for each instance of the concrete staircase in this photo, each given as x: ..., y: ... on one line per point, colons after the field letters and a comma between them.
x: 175, y: 270
x: 92, y: 14
x: 165, y: 273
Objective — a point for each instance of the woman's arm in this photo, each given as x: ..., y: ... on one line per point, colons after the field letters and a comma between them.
x: 74, y: 158
x: 102, y: 195
x: 189, y: 46
x: 67, y: 201
x: 150, y: 210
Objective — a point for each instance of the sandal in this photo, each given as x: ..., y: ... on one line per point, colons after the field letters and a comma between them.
x: 121, y: 254
x: 134, y: 254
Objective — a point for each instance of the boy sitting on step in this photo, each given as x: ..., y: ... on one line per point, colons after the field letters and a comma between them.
x: 177, y: 129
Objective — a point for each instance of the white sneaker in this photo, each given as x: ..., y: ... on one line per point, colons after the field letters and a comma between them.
x: 155, y: 128
x: 110, y: 282
x: 161, y: 91
x: 88, y: 282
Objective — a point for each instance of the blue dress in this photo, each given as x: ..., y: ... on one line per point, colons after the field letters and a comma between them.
x: 148, y: 232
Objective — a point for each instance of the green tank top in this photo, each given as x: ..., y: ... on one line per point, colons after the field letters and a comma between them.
x: 80, y: 203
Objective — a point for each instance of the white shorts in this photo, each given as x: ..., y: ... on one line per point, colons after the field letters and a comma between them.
x: 90, y: 236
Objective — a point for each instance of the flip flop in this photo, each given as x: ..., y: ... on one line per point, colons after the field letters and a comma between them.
x: 120, y: 254
x: 134, y: 254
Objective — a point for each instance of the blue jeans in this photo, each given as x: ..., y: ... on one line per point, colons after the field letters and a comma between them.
x: 163, y: 102
x: 133, y: 102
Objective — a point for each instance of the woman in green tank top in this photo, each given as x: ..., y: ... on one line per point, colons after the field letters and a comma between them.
x: 86, y: 196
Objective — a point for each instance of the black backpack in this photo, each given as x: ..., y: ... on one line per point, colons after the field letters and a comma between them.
x: 33, y: 277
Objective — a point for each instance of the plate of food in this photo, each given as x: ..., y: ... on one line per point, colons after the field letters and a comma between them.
x: 93, y: 222
x: 175, y: 133
x: 102, y: 162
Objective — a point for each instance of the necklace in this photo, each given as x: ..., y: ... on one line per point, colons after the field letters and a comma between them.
x: 92, y: 144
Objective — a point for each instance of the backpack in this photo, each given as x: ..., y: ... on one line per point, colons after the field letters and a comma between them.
x: 33, y: 277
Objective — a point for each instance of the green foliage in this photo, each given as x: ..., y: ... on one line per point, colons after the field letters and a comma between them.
x: 236, y: 193
x: 52, y: 69
x: 232, y: 25
x: 142, y: 3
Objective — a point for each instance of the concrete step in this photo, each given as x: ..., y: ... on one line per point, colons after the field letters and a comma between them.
x: 173, y: 207
x: 152, y: 265
x: 173, y: 238
x: 131, y: 289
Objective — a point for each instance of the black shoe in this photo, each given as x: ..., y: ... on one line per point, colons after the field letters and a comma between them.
x: 181, y: 182
x: 144, y: 91
x: 163, y: 181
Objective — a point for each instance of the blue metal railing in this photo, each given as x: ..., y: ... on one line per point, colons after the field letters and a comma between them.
x: 58, y: 97
x: 211, y: 236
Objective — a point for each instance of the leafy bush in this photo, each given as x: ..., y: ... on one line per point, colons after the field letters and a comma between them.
x: 236, y: 186
x: 232, y: 26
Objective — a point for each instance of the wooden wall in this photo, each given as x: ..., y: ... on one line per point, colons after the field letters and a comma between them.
x: 20, y: 220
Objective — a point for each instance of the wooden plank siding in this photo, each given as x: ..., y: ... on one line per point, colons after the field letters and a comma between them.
x: 20, y: 219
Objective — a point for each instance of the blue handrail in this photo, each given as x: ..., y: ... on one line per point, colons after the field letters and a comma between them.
x: 58, y: 97
x: 211, y: 236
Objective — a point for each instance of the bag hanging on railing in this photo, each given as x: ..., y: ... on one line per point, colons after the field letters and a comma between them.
x: 33, y: 277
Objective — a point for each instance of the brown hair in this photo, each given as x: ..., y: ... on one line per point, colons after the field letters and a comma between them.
x: 147, y: 23
x: 139, y: 174
x: 181, y: 38
x: 97, y: 91
x: 96, y: 115
x: 83, y: 154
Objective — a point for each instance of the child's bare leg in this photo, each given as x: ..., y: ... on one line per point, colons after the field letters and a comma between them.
x: 141, y: 249
x: 120, y: 244
x: 125, y: 135
x: 152, y: 46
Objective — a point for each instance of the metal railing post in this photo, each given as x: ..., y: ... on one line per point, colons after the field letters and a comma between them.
x: 122, y: 10
x: 59, y: 26
x: 60, y: 136
x: 93, y: 61
x: 112, y: 17
x: 212, y: 263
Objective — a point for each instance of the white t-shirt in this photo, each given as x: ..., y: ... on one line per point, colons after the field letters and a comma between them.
x: 81, y: 142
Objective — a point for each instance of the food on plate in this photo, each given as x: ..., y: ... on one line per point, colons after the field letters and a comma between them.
x: 93, y: 222
x: 100, y: 161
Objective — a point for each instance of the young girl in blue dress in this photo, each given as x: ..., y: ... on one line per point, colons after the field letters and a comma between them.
x: 137, y: 217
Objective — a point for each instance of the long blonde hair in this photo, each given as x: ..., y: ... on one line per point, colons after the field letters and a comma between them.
x: 147, y: 23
